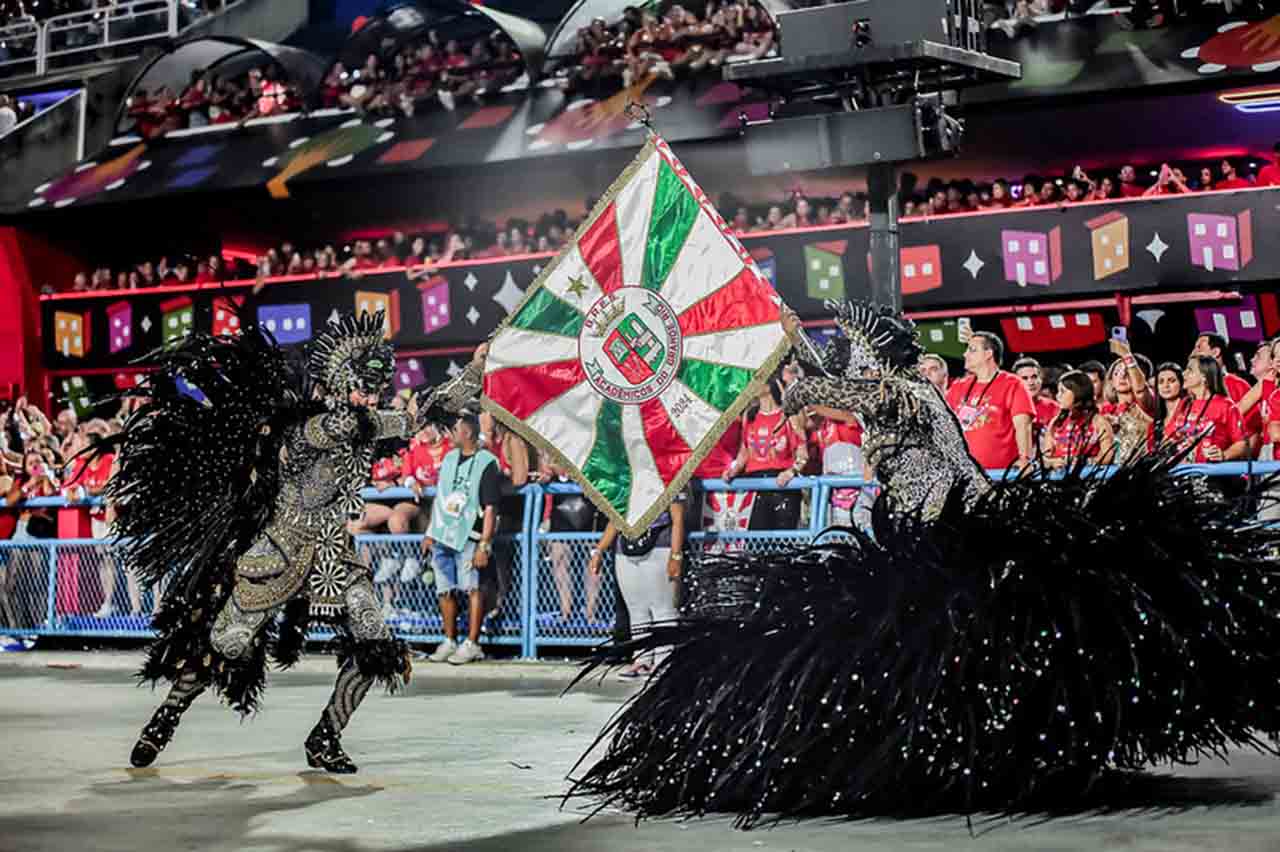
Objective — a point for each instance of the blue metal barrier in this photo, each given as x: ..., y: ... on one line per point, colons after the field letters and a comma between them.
x: 75, y: 587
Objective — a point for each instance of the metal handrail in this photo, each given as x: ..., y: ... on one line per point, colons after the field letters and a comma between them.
x: 800, y: 483
x: 17, y: 31
x: 99, y: 23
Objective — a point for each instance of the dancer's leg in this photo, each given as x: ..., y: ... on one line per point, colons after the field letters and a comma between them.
x: 232, y: 638
x: 376, y: 655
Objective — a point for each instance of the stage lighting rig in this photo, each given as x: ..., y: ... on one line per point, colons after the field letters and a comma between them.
x: 874, y: 83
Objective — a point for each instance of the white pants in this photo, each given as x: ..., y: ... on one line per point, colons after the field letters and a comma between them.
x: 649, y: 593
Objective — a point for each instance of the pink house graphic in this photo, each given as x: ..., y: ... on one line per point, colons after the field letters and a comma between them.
x: 1032, y: 257
x: 1220, y: 242
x: 120, y: 323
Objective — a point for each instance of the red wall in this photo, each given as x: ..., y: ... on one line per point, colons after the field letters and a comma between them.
x: 26, y: 261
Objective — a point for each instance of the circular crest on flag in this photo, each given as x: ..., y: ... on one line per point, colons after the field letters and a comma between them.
x: 630, y: 345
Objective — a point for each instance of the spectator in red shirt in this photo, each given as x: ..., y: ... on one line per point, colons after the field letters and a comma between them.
x: 1215, y: 346
x: 773, y: 445
x: 1255, y: 406
x: 1269, y: 407
x: 1230, y: 178
x: 1169, y: 392
x: 1097, y: 375
x: 934, y: 370
x: 1170, y: 181
x: 1104, y: 189
x: 837, y: 439
x: 993, y: 407
x: 1129, y: 187
x: 1077, y: 432
x: 1031, y: 374
x: 1270, y: 173
x: 1206, y: 417
x: 1000, y: 197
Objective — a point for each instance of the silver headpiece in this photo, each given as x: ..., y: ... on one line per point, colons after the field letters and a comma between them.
x: 352, y: 354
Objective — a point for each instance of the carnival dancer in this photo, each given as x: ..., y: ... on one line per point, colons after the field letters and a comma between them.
x: 237, y: 476
x: 990, y: 646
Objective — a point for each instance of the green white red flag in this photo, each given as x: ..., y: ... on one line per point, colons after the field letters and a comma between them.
x: 639, y: 344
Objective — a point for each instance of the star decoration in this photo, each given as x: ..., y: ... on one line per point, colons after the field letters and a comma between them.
x: 471, y: 281
x: 508, y: 295
x: 333, y: 317
x: 576, y: 286
x: 473, y: 315
x: 1157, y: 247
x: 974, y: 264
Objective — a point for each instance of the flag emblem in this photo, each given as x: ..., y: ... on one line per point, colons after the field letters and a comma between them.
x: 639, y: 344
x: 630, y: 345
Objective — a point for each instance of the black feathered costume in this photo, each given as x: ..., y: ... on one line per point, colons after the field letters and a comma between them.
x: 989, y: 645
x: 237, y: 476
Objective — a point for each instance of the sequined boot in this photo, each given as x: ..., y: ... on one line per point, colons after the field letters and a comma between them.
x: 324, y: 749
x: 155, y: 736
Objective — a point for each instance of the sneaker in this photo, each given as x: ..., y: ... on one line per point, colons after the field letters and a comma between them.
x: 446, y: 99
x: 105, y: 611
x: 444, y: 651
x: 469, y: 652
x: 635, y: 671
x: 411, y: 571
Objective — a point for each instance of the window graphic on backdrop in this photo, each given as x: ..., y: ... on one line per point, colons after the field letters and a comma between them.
x: 1220, y: 242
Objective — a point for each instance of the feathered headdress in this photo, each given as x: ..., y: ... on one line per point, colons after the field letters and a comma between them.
x: 351, y: 354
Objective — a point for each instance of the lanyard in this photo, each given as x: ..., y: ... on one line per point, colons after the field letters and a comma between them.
x: 1187, y: 414
x: 985, y: 390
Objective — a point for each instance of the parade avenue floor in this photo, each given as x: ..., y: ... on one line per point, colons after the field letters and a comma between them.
x: 466, y: 760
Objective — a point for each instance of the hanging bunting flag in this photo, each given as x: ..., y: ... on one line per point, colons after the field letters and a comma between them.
x: 639, y: 344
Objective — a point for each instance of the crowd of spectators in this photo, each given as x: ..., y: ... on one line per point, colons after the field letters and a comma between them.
x: 38, y: 459
x: 476, y: 238
x: 42, y: 10
x: 210, y: 99
x: 666, y: 45
x: 435, y: 69
x: 1020, y: 17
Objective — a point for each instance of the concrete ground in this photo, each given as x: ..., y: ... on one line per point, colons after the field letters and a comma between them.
x: 466, y: 760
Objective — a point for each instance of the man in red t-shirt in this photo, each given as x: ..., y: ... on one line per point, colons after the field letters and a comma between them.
x: 1231, y: 178
x: 1269, y: 175
x: 1255, y: 405
x: 1129, y: 187
x: 1214, y: 345
x: 1031, y: 374
x: 993, y: 407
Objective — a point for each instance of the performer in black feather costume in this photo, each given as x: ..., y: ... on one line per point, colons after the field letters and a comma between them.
x: 990, y: 645
x: 234, y: 498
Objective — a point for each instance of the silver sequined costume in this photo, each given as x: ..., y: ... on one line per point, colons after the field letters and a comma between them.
x: 256, y: 545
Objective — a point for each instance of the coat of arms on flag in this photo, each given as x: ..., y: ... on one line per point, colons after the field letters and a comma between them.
x: 638, y: 344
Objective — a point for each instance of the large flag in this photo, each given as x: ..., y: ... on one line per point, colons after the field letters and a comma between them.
x: 639, y: 344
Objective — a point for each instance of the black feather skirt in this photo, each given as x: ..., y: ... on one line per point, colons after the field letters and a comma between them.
x: 1010, y: 650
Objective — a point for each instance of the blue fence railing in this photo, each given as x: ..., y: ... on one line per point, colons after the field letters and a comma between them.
x: 541, y: 594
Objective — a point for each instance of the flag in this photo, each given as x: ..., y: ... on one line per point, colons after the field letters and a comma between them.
x: 639, y: 344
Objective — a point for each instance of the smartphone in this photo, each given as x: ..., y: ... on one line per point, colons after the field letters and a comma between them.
x: 1119, y: 332
x: 1240, y: 365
